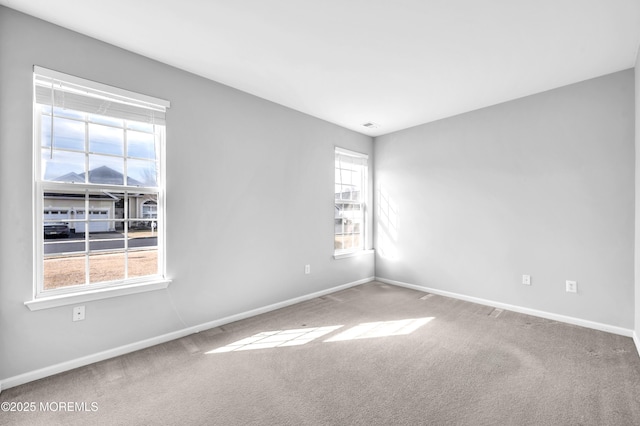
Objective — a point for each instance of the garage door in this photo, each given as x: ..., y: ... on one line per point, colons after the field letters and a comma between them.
x: 55, y: 215
x: 93, y: 226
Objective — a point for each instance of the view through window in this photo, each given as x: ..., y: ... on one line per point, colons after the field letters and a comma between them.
x: 350, y: 196
x: 99, y: 184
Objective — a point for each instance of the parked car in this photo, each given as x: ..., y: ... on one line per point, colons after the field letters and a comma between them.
x: 56, y: 229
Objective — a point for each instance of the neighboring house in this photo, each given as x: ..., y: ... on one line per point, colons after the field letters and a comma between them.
x: 64, y: 207
x: 104, y: 207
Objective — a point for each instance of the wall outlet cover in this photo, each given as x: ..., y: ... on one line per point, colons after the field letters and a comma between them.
x: 78, y: 313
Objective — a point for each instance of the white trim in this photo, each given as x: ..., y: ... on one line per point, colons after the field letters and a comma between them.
x: 533, y: 312
x: 356, y: 253
x: 636, y: 340
x: 279, y: 305
x: 142, y: 344
x: 87, y: 296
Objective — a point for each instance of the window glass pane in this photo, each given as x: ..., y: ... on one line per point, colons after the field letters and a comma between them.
x: 142, y: 263
x: 67, y: 134
x: 141, y: 145
x: 106, y: 267
x: 62, y: 166
x: 106, y: 140
x: 64, y: 271
x: 141, y: 173
x: 107, y: 170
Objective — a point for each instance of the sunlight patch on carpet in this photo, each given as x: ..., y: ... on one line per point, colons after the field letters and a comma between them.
x: 301, y: 336
x: 380, y: 329
x: 277, y: 339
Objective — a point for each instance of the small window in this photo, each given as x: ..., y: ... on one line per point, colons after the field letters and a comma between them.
x: 99, y: 155
x: 351, y: 179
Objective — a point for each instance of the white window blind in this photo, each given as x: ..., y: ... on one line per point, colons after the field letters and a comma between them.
x: 350, y: 177
x: 74, y: 93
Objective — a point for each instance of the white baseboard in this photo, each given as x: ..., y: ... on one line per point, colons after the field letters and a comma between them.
x: 528, y: 311
x: 265, y: 309
x: 636, y: 340
x: 122, y: 350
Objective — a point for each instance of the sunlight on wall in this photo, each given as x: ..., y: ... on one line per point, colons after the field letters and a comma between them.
x: 301, y: 336
x: 387, y: 225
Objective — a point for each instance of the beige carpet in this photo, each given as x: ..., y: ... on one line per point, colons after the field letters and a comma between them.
x: 371, y: 355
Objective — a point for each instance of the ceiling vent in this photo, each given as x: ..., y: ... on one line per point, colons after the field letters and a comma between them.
x: 370, y: 125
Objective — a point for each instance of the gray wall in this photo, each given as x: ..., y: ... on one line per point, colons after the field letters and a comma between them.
x: 240, y: 172
x: 543, y: 185
x: 637, y: 194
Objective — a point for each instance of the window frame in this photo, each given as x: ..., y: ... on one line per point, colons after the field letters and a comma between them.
x: 45, y: 298
x: 364, y: 205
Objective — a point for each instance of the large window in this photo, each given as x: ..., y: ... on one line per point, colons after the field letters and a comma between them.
x: 350, y: 201
x: 99, y: 186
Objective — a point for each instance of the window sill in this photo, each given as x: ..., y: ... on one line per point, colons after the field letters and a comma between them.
x: 352, y: 254
x: 98, y: 294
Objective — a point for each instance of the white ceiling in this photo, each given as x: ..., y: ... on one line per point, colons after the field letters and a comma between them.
x: 397, y: 63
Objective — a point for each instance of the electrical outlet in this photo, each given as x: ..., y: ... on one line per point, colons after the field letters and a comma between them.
x: 526, y: 279
x: 572, y: 286
x: 307, y: 269
x: 78, y: 313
